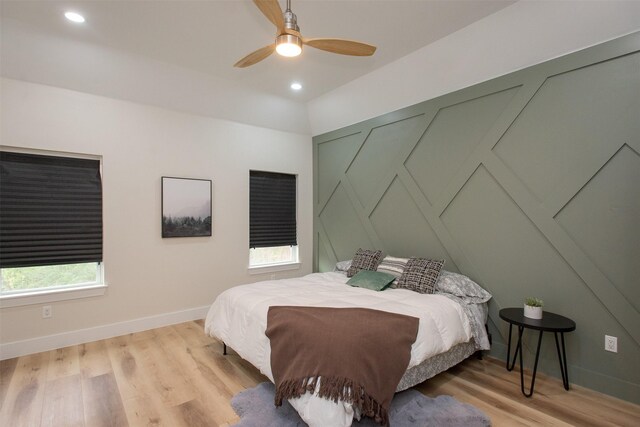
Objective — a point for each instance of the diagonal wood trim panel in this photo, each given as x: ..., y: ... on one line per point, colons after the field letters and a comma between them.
x: 528, y: 183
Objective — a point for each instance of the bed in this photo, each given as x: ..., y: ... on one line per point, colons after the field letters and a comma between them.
x: 451, y: 326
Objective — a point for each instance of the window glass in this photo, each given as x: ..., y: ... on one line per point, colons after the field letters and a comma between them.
x: 27, y: 279
x: 273, y: 255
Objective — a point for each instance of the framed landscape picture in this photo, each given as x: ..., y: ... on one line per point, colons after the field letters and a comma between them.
x: 186, y: 207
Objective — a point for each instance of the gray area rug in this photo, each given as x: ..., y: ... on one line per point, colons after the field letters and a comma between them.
x: 408, y: 408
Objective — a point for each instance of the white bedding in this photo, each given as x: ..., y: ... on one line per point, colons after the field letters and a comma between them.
x: 239, y: 318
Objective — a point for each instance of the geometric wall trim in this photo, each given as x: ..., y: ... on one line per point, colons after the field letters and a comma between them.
x: 411, y: 228
x: 336, y: 155
x: 382, y: 143
x: 452, y: 136
x: 528, y: 183
x: 613, y: 243
x: 342, y: 226
x: 575, y: 107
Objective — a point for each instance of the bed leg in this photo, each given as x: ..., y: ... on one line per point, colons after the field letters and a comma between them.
x: 479, y: 352
x: 224, y: 349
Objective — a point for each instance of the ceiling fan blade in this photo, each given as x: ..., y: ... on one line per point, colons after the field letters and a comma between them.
x: 255, y: 57
x: 343, y: 47
x: 272, y: 10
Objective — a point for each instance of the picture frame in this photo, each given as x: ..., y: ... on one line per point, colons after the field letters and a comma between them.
x: 186, y: 207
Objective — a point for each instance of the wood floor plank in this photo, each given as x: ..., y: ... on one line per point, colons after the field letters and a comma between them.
x: 63, y: 362
x: 500, y: 412
x: 166, y: 377
x: 7, y: 368
x: 483, y: 396
x: 246, y: 367
x: 94, y: 359
x: 193, y: 414
x: 63, y: 403
x: 232, y: 364
x: 208, y: 355
x: 102, y: 403
x: 144, y: 335
x: 149, y: 412
x: 210, y: 387
x: 600, y: 408
x: 126, y: 365
x: 546, y: 397
x: 143, y: 406
x: 25, y: 394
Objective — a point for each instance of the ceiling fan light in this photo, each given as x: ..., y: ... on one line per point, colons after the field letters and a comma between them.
x: 288, y: 45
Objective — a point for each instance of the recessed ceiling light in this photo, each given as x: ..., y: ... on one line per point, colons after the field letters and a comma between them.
x: 74, y: 17
x: 296, y: 86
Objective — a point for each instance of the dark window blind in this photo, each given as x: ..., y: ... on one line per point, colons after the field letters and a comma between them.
x: 272, y: 210
x: 50, y: 210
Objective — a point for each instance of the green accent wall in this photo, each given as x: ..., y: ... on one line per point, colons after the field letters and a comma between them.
x: 528, y: 183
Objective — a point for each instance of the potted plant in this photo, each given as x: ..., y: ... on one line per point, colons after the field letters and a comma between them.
x: 533, y: 308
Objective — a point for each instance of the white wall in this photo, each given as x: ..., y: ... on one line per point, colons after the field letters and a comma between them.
x: 521, y: 35
x: 148, y: 275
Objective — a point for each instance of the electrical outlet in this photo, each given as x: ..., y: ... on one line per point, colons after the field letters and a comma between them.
x: 47, y: 312
x: 611, y: 343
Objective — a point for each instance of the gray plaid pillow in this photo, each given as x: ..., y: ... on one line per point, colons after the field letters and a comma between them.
x: 420, y: 275
x: 364, y: 259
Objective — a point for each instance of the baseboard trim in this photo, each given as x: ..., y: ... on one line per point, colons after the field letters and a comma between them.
x: 51, y: 342
x: 578, y: 375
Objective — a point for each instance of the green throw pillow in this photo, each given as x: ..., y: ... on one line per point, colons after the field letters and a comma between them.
x: 374, y: 280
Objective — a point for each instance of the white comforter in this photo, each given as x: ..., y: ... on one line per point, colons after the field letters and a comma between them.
x: 239, y: 318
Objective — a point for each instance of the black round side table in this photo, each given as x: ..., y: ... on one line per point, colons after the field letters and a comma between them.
x: 550, y: 322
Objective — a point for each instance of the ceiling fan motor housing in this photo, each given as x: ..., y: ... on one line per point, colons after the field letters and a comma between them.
x: 291, y: 21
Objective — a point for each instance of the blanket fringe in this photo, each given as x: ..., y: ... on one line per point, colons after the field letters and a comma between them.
x: 334, y: 388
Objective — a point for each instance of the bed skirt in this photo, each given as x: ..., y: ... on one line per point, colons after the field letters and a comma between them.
x: 430, y: 367
x: 436, y: 364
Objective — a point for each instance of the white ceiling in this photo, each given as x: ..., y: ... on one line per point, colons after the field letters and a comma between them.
x: 210, y: 36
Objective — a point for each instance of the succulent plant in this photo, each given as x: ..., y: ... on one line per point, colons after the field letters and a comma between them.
x: 534, y: 302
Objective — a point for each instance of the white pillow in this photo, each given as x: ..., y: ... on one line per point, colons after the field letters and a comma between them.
x: 342, y: 265
x: 462, y: 287
x: 394, y: 266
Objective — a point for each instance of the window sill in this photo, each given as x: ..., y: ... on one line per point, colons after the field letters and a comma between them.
x: 270, y: 268
x: 46, y: 296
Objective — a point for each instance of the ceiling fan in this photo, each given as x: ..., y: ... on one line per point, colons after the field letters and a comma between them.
x: 289, y: 41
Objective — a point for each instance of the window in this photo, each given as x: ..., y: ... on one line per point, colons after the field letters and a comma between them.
x: 50, y: 223
x: 272, y: 219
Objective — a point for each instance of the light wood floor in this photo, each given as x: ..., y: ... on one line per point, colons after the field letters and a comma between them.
x: 177, y: 376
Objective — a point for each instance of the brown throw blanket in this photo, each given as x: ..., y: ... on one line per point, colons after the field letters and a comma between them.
x: 360, y: 354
